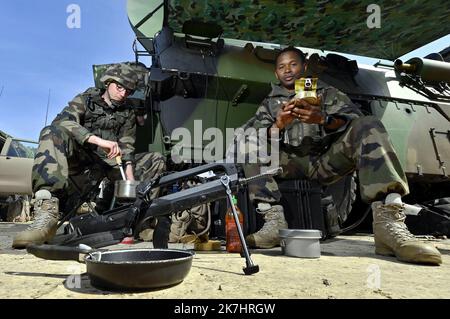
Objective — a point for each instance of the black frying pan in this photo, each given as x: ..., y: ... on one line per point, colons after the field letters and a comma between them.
x: 131, y: 269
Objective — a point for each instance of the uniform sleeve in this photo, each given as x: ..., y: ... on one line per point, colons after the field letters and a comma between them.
x: 245, y: 134
x: 71, y: 118
x: 127, y: 138
x: 262, y: 118
x: 338, y: 104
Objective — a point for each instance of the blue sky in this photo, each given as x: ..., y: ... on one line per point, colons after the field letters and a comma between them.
x: 39, y: 52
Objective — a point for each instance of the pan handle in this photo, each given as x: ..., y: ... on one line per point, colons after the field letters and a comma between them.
x: 56, y: 252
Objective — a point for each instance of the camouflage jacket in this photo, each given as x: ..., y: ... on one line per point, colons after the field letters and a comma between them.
x: 88, y: 114
x: 304, y: 138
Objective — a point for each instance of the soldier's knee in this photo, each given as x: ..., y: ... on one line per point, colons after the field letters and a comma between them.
x: 159, y: 160
x: 46, y: 131
x: 158, y: 157
x: 152, y: 160
x: 367, y: 122
x: 51, y: 131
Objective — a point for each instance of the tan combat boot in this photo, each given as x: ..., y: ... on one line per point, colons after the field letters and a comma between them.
x: 45, y: 223
x: 392, y: 237
x: 198, y: 228
x: 200, y: 218
x: 267, y: 236
x: 180, y: 223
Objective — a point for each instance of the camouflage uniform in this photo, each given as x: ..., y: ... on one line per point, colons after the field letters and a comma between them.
x: 63, y: 150
x: 310, y: 151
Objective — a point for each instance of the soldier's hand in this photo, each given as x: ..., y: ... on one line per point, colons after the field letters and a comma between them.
x: 317, y: 101
x: 305, y: 112
x: 111, y: 148
x: 284, y: 115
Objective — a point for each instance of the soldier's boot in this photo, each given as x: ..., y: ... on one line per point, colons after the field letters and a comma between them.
x: 267, y: 236
x: 198, y: 230
x: 45, y: 223
x: 180, y: 223
x: 392, y: 237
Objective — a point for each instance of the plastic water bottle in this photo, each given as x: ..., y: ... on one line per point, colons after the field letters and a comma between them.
x: 232, y: 236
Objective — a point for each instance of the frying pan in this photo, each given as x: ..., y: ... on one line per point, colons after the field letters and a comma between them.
x: 128, y: 269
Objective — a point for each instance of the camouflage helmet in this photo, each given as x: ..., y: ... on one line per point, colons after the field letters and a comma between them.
x: 122, y: 74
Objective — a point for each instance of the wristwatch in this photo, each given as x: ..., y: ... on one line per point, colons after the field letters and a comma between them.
x: 328, y: 120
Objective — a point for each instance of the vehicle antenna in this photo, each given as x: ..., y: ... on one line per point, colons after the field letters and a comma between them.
x: 48, y: 104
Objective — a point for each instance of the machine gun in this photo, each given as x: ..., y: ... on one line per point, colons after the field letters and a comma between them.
x: 112, y: 226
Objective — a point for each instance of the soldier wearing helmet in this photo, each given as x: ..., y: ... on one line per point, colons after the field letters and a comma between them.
x: 121, y: 74
x: 86, y: 137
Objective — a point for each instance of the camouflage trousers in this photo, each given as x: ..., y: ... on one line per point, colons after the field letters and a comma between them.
x: 60, y: 161
x: 364, y: 147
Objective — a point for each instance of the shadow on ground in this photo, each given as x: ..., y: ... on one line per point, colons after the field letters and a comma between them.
x: 343, y: 247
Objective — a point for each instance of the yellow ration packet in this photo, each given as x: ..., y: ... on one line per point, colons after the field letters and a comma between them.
x: 305, y: 88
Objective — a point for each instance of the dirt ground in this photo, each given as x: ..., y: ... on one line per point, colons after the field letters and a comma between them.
x: 347, y: 268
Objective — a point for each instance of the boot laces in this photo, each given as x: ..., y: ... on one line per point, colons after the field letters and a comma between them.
x: 182, y: 217
x: 43, y: 214
x: 180, y: 223
x: 400, y: 232
x: 270, y: 222
x: 267, y: 227
x: 393, y: 216
x: 41, y: 221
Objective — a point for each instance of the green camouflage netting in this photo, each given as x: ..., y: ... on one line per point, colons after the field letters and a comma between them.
x: 339, y: 25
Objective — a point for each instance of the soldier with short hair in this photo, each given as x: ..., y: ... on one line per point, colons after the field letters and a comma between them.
x: 96, y: 127
x: 325, y: 142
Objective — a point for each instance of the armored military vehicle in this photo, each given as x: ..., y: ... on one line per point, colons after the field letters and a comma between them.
x: 213, y: 61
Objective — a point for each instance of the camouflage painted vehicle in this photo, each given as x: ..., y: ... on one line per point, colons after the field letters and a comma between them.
x: 213, y: 61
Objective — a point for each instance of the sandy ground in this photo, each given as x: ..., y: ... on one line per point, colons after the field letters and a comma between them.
x: 347, y: 268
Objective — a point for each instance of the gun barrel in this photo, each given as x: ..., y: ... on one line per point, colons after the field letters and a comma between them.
x: 428, y: 70
x: 404, y: 67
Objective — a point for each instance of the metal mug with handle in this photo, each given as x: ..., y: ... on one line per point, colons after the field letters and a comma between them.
x: 124, y: 189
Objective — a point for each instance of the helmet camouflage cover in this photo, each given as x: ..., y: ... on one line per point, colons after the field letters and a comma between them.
x: 122, y: 74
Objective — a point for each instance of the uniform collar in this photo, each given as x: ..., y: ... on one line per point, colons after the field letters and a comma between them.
x: 98, y: 99
x: 280, y: 91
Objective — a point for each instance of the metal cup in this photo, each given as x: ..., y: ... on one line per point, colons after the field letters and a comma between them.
x: 125, y: 189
